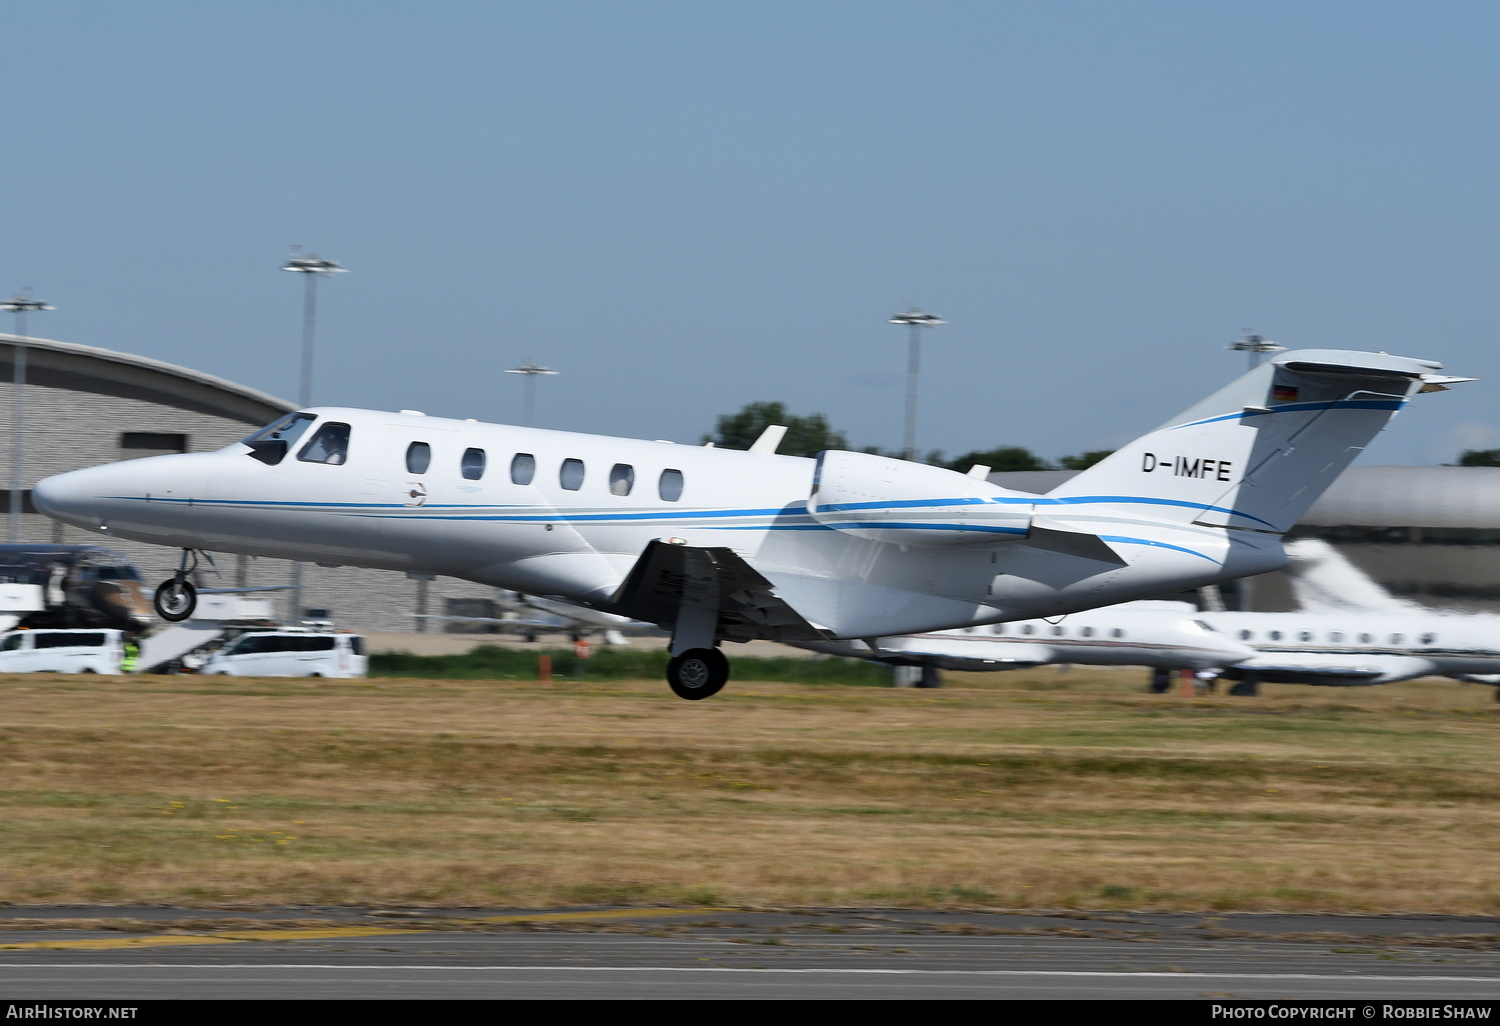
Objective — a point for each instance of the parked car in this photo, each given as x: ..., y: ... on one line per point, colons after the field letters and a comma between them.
x: 62, y: 651
x: 282, y: 653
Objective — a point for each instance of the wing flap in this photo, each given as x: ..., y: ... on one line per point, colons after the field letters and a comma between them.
x: 749, y: 607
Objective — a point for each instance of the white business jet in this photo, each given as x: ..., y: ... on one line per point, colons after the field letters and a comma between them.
x: 1350, y: 631
x: 1163, y: 635
x: 717, y: 545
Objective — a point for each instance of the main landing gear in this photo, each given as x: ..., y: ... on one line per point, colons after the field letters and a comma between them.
x: 176, y: 598
x: 698, y: 673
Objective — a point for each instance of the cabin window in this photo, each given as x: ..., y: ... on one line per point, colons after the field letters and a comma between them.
x: 1087, y: 632
x: 1335, y: 637
x: 271, y: 443
x: 1305, y: 636
x: 670, y: 486
x: 522, y: 468
x: 1275, y: 635
x: 1027, y: 628
x: 1396, y: 639
x: 1057, y: 632
x: 621, y: 479
x: 1246, y: 635
x: 472, y: 464
x: 1428, y: 639
x: 1365, y: 639
x: 998, y: 628
x: 418, y: 457
x: 1117, y: 633
x: 330, y: 445
x: 571, y: 475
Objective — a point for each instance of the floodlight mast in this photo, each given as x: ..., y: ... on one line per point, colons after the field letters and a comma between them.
x: 20, y: 304
x: 532, y: 370
x: 916, y: 320
x: 1257, y: 346
x: 311, y: 267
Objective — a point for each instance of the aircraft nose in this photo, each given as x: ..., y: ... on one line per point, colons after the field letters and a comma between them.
x: 74, y: 497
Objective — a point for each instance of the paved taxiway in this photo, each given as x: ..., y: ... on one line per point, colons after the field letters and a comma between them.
x: 720, y: 953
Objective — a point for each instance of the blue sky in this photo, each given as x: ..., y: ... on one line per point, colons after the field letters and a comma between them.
x: 689, y: 206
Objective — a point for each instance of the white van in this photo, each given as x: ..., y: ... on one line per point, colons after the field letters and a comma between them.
x: 290, y: 654
x: 62, y: 651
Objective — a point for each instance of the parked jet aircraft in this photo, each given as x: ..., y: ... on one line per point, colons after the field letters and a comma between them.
x: 720, y: 545
x: 1165, y: 635
x: 70, y: 586
x: 1350, y: 632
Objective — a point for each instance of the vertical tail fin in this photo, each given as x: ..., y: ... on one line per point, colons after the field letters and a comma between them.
x: 1257, y: 453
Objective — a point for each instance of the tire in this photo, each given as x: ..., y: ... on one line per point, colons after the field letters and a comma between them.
x: 175, y: 600
x: 698, y: 673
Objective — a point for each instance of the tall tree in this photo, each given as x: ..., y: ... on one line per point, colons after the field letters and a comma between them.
x: 1084, y: 460
x: 1006, y: 457
x: 805, y: 436
x: 1480, y: 458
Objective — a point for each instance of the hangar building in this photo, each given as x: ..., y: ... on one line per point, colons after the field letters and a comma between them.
x: 85, y: 406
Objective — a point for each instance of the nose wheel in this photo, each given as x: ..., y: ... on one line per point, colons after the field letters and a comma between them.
x: 176, y: 598
x: 698, y: 673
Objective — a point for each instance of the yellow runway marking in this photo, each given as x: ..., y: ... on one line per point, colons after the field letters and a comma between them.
x: 334, y: 932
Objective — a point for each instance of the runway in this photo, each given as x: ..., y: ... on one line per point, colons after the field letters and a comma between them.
x: 721, y: 953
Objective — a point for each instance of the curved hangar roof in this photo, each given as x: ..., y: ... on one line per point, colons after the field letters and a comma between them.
x: 68, y: 365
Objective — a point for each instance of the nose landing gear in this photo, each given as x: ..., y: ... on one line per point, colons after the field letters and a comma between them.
x: 176, y: 598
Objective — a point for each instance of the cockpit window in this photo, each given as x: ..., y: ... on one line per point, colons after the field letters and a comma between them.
x: 330, y: 445
x: 418, y: 457
x: 271, y: 443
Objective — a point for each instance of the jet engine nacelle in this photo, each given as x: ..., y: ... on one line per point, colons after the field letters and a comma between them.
x: 904, y: 503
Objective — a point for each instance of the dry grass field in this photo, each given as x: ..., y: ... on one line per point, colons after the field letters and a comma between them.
x: 1032, y: 789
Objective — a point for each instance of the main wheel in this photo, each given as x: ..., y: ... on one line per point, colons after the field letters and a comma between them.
x: 698, y: 673
x: 175, y: 600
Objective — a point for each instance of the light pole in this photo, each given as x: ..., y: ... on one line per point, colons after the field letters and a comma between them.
x: 20, y: 304
x: 311, y: 267
x: 532, y: 370
x: 1256, y: 346
x: 916, y: 320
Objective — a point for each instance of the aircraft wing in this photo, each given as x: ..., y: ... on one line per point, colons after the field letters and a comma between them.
x: 961, y: 652
x: 1336, y: 667
x: 749, y: 607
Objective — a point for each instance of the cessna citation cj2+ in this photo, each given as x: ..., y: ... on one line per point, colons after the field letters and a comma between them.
x: 717, y: 545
